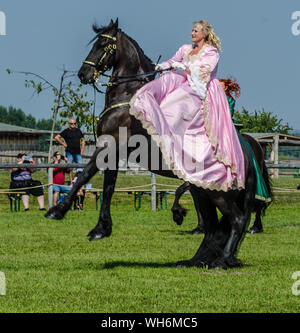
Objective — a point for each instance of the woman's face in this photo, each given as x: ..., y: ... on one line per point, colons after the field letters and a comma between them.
x: 197, y: 34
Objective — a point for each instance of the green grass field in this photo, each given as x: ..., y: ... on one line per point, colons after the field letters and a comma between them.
x: 50, y: 266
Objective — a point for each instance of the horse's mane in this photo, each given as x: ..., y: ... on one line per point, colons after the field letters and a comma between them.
x: 104, y: 29
x: 139, y: 49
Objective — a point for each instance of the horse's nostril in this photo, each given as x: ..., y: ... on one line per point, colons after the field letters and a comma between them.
x: 81, y: 77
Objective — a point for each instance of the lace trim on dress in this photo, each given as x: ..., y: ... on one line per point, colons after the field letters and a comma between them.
x: 214, y: 142
x: 236, y: 184
x: 187, y: 57
x: 198, y: 81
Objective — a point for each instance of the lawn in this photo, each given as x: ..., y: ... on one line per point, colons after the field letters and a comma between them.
x: 50, y: 266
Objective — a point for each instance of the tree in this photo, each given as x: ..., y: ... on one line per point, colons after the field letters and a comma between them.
x: 261, y: 122
x: 46, y: 124
x: 72, y: 100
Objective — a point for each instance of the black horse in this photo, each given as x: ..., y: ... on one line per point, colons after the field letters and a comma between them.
x: 180, y: 212
x: 114, y: 49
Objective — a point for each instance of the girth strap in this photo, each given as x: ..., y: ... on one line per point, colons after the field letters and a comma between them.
x: 113, y: 107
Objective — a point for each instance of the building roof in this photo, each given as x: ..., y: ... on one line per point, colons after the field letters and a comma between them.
x: 6, y: 128
x: 283, y: 139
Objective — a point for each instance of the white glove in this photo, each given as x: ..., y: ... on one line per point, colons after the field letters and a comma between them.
x: 178, y: 65
x: 162, y: 66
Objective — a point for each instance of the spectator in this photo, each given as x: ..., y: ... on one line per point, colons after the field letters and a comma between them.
x: 73, y: 141
x: 59, y: 177
x: 78, y: 203
x: 21, y: 179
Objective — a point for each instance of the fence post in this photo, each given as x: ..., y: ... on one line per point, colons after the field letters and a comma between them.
x: 50, y: 191
x: 276, y: 149
x: 153, y: 191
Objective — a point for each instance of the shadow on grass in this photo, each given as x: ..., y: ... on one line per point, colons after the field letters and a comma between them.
x: 179, y: 232
x: 114, y: 264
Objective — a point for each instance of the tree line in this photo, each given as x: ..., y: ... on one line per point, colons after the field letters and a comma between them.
x: 261, y: 122
x: 253, y: 122
x: 17, y: 117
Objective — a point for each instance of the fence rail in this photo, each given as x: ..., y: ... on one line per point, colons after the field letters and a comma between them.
x: 83, y: 165
x: 51, y: 166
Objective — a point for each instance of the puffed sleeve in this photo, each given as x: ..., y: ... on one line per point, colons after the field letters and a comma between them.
x: 201, y: 70
x: 178, y: 56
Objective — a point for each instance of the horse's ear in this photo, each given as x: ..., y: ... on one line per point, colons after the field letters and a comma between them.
x: 111, y: 23
x: 116, y: 23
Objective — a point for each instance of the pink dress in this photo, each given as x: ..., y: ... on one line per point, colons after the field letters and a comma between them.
x: 188, y: 116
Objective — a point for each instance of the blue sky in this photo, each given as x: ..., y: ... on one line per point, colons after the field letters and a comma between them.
x: 259, y: 48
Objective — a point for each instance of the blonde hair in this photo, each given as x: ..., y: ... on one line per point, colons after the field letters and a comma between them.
x: 211, y: 37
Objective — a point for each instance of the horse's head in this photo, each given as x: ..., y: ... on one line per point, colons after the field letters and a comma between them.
x: 102, y: 56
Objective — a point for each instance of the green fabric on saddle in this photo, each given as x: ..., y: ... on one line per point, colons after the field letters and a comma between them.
x: 262, y: 192
x: 231, y: 102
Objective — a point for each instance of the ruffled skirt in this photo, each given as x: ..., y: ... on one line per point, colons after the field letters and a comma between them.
x: 197, y: 137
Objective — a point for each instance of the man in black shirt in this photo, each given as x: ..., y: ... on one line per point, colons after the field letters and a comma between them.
x: 73, y: 142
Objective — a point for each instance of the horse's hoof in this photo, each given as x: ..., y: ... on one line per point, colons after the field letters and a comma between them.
x: 95, y: 237
x: 234, y: 262
x: 178, y: 220
x: 178, y: 215
x: 218, y: 263
x: 254, y: 230
x: 225, y: 263
x: 96, y: 234
x: 54, y: 214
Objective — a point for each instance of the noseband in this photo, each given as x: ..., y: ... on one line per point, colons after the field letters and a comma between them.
x: 109, y: 49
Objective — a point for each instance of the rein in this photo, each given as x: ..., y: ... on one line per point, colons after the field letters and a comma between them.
x: 130, y: 78
x: 111, y: 49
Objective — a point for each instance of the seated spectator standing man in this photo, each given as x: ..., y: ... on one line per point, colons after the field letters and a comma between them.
x: 21, y: 180
x: 59, y: 177
x: 74, y: 142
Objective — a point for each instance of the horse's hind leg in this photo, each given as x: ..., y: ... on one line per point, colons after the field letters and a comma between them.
x: 104, y: 225
x: 210, y: 247
x: 236, y: 223
x: 257, y: 225
x: 58, y: 212
x: 237, y: 218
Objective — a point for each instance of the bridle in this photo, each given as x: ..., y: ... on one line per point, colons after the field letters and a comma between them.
x: 109, y: 49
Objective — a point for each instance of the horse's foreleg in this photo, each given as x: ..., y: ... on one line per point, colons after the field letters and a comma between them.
x: 104, y: 225
x: 200, y: 227
x: 178, y: 211
x: 58, y: 212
